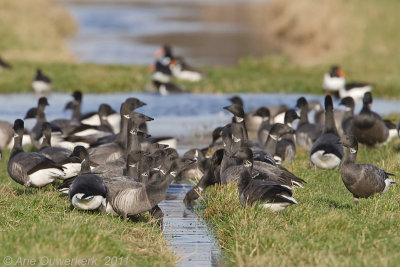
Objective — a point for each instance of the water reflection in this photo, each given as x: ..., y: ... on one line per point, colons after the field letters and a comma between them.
x: 129, y: 31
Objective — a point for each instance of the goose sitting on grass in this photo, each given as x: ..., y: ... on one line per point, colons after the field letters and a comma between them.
x: 269, y: 194
x: 362, y: 180
x: 326, y: 153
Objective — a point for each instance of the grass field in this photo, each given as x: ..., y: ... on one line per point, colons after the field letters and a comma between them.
x: 324, y: 229
x: 41, y: 225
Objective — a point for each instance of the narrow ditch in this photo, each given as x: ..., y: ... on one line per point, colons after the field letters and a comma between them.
x: 188, y: 234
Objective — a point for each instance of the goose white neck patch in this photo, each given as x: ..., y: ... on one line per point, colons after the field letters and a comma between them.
x: 239, y: 119
x: 274, y: 137
x: 173, y: 173
x: 235, y: 139
x: 353, y: 151
x: 247, y: 163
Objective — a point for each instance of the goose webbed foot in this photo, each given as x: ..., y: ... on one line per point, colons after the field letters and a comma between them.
x: 355, y: 200
x: 158, y: 215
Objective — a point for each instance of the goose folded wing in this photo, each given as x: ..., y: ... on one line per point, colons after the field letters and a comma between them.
x: 263, y: 190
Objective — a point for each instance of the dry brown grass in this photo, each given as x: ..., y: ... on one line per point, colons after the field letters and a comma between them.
x: 310, y: 32
x: 35, y: 30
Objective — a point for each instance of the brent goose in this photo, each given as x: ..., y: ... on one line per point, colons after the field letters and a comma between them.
x: 265, y: 166
x: 286, y: 146
x: 326, y: 152
x: 7, y: 134
x: 127, y: 197
x: 265, y: 125
x: 36, y: 132
x: 268, y: 194
x: 31, y: 169
x: 272, y: 145
x: 70, y: 162
x: 127, y: 106
x: 362, y: 180
x: 306, y: 133
x: 347, y: 121
x: 238, y: 113
x: 41, y: 83
x: 368, y: 127
x: 88, y: 192
x: 210, y: 177
x: 319, y: 115
x: 112, y: 151
x: 81, y: 153
x: 253, y: 122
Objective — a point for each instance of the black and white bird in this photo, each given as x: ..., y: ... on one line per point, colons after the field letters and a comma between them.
x: 4, y: 65
x: 70, y: 161
x: 335, y: 84
x: 362, y: 180
x: 268, y: 194
x: 88, y: 192
x: 31, y: 169
x: 183, y: 71
x: 326, y: 152
x: 41, y: 83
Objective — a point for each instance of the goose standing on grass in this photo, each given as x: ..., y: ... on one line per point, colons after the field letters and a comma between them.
x: 306, y: 133
x: 347, y: 121
x: 81, y: 153
x: 286, y: 146
x: 130, y: 104
x: 31, y: 169
x: 326, y: 152
x: 70, y: 161
x: 368, y: 127
x: 265, y: 125
x: 126, y: 197
x: 268, y: 194
x: 36, y: 132
x: 7, y: 136
x: 41, y: 83
x: 272, y: 145
x: 210, y: 177
x: 319, y: 115
x: 362, y: 180
x: 238, y: 118
x: 4, y: 65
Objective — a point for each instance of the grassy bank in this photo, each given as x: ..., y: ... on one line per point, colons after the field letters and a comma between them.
x: 358, y: 35
x: 42, y: 224
x: 324, y: 229
x: 35, y: 30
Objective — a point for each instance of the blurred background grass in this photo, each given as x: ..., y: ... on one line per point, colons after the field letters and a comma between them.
x: 309, y: 36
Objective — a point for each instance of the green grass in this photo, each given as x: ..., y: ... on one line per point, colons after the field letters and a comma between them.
x: 42, y: 223
x: 324, y: 229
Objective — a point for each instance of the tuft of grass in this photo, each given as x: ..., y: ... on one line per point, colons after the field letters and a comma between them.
x: 324, y: 229
x: 42, y: 224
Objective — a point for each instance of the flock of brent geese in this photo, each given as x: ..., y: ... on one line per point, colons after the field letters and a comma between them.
x: 108, y: 161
